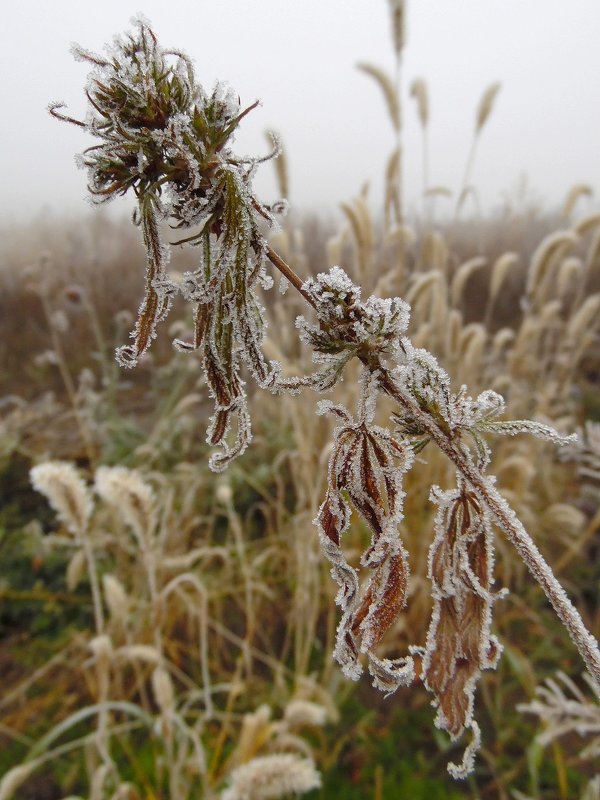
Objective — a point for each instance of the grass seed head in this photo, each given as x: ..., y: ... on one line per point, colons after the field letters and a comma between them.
x: 418, y: 90
x: 66, y: 492
x: 486, y: 105
x: 272, y: 777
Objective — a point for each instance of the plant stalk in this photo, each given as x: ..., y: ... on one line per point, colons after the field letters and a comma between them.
x: 508, y: 521
x: 500, y: 510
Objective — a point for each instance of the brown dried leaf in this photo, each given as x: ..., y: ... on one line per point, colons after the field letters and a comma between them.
x: 383, y: 599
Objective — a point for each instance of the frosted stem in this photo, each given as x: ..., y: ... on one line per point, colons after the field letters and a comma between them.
x: 507, y: 520
x: 497, y: 505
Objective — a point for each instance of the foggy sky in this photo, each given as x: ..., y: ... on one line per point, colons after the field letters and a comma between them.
x: 298, y: 57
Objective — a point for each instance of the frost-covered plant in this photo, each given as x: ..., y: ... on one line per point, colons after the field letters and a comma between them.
x: 168, y: 140
x: 585, y: 452
x: 565, y: 710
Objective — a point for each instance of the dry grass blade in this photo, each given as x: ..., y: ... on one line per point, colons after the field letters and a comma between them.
x: 418, y: 90
x: 392, y: 207
x: 280, y: 164
x: 463, y: 273
x: 398, y: 14
x: 438, y: 191
x: 587, y: 224
x: 575, y: 194
x: 486, y: 105
x: 548, y: 252
x: 468, y: 191
x: 386, y: 84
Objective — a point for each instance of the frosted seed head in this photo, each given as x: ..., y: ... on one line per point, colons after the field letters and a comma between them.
x: 126, y: 491
x: 66, y: 492
x: 102, y: 648
x: 271, y: 777
x: 162, y: 688
x: 305, y: 713
x: 116, y: 597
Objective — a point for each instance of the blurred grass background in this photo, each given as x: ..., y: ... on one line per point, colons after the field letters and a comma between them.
x: 68, y: 291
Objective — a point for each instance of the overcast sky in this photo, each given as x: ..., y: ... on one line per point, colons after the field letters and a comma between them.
x: 298, y: 57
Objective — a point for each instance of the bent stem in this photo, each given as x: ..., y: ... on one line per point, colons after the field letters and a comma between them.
x: 502, y: 513
x: 508, y: 521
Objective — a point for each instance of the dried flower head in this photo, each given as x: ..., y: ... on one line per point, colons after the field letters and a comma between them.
x: 167, y: 140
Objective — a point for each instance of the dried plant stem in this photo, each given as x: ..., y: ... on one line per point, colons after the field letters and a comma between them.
x: 67, y: 380
x: 288, y: 273
x: 109, y: 366
x: 508, y: 521
x: 102, y: 666
x: 398, y: 88
x: 94, y: 584
x: 427, y: 201
x: 497, y: 505
x: 235, y: 525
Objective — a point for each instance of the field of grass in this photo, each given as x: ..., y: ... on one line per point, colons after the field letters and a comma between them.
x: 167, y: 632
